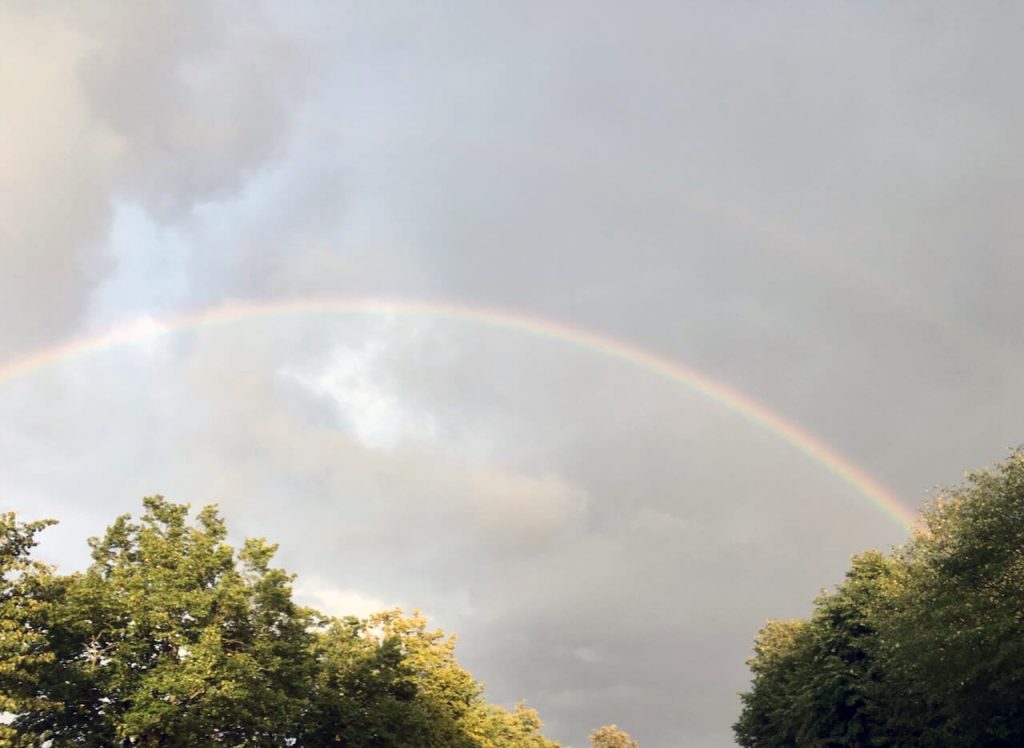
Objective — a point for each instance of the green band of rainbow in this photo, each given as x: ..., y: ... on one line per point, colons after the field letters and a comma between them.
x: 630, y: 354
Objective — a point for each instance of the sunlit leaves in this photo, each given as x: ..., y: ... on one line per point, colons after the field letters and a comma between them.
x: 610, y: 736
x: 172, y: 637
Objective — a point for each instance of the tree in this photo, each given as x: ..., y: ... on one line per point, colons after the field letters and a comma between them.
x: 172, y: 637
x: 923, y: 647
x: 779, y: 666
x: 956, y: 631
x: 611, y: 736
x: 825, y: 681
x: 26, y: 588
x: 389, y: 680
x: 496, y: 727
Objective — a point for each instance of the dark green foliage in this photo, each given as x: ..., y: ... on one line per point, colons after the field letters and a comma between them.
x: 924, y: 647
x: 173, y: 638
x: 959, y: 621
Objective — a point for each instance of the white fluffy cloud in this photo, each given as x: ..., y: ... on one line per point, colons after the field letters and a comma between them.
x: 366, y: 406
x: 337, y: 601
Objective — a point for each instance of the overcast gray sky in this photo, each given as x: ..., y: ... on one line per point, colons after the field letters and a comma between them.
x: 815, y: 204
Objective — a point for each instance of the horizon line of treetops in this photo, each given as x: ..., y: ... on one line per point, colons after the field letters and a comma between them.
x: 172, y: 637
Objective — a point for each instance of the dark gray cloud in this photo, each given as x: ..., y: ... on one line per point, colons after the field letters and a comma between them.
x: 813, y: 205
x: 168, y: 105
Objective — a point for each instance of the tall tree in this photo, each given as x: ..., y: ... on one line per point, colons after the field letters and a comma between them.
x: 957, y: 629
x: 923, y: 647
x: 172, y: 638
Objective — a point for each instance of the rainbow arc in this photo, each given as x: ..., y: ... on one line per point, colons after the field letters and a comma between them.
x: 627, y: 353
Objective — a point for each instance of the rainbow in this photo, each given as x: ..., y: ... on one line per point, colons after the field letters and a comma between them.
x: 627, y: 353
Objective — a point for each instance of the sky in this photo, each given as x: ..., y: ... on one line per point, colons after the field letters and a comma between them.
x: 812, y: 206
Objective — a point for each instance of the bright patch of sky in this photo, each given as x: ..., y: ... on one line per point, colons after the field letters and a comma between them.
x: 367, y: 408
x: 149, y: 274
x: 338, y: 601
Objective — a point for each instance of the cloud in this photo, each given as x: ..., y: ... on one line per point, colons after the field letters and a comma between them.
x: 263, y: 437
x: 168, y: 105
x: 210, y: 92
x: 336, y: 601
x: 59, y: 162
x: 522, y: 511
x: 366, y: 406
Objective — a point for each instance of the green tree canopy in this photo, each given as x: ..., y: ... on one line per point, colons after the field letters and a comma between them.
x: 921, y: 647
x: 172, y: 637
